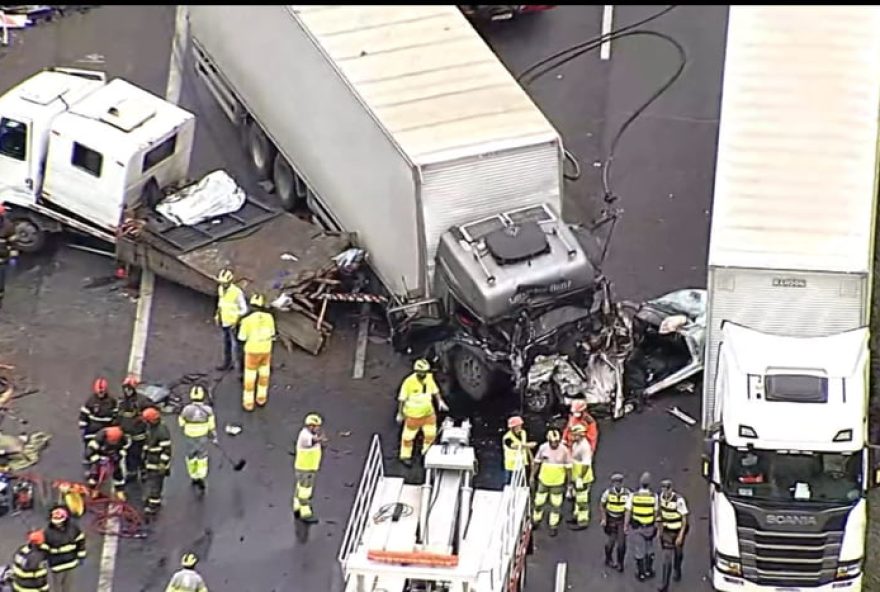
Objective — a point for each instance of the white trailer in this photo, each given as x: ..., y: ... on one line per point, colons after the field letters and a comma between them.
x: 790, y: 266
x: 394, y: 122
x: 440, y: 535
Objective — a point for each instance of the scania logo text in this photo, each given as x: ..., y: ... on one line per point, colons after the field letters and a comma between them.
x: 791, y: 520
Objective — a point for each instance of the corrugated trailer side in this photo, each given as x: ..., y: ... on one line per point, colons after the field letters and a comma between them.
x: 792, y: 231
x: 312, y: 115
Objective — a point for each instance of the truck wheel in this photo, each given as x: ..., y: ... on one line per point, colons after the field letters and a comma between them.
x: 285, y: 183
x: 539, y: 402
x: 260, y: 150
x: 471, y: 373
x: 30, y: 238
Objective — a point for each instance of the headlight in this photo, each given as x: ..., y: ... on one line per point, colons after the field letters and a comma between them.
x: 728, y: 566
x: 848, y: 570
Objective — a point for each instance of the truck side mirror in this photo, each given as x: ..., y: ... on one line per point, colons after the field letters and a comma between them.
x: 873, y: 466
x: 708, y: 459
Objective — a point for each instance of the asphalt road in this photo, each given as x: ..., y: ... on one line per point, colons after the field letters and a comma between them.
x: 60, y: 333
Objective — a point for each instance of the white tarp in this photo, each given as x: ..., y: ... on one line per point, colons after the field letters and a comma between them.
x: 214, y: 195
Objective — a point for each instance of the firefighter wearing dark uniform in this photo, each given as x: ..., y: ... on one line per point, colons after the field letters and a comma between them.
x: 8, y: 253
x: 30, y: 568
x: 673, y: 530
x: 157, y: 460
x: 131, y: 405
x: 109, y: 444
x: 99, y: 411
x: 612, y: 508
x: 641, y: 519
x: 66, y: 548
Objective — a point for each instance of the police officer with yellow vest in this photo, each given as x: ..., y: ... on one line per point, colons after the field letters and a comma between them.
x: 257, y: 331
x: 553, y: 461
x: 612, y: 508
x: 641, y: 520
x: 199, y: 426
x: 581, y: 476
x: 231, y: 307
x: 415, y: 409
x: 517, y: 448
x: 673, y: 530
x: 306, y: 465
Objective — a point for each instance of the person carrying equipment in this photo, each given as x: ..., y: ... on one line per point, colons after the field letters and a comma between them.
x: 553, y: 462
x: 131, y: 405
x: 30, y: 567
x: 612, y: 508
x: 306, y: 466
x: 231, y: 307
x: 517, y: 448
x: 641, y: 520
x: 110, y: 444
x: 187, y: 579
x: 99, y: 411
x: 582, y: 476
x: 257, y: 331
x: 157, y: 460
x: 415, y: 409
x: 66, y: 548
x: 199, y: 427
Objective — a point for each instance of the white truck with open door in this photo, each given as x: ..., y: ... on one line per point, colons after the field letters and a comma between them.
x: 785, y: 396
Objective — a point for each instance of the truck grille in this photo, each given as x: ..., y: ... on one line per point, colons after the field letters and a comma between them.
x: 789, y: 559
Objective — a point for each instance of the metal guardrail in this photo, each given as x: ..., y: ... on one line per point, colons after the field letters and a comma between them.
x: 374, y: 471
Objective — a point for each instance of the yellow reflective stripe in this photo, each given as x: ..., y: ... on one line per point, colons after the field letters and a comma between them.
x: 65, y: 566
x: 30, y: 574
x: 196, y: 430
x: 643, y: 510
x: 63, y: 549
x: 615, y: 504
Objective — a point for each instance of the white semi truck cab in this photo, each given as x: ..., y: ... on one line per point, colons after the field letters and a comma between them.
x: 788, y: 461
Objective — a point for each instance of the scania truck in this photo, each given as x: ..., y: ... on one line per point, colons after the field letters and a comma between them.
x: 785, y: 394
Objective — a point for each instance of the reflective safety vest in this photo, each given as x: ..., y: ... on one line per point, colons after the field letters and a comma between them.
x: 643, y: 508
x: 581, y: 471
x: 515, y: 452
x: 669, y: 514
x: 551, y: 474
x: 307, y: 459
x: 418, y: 396
x: 227, y: 304
x: 615, y: 502
x: 257, y: 331
x: 197, y: 420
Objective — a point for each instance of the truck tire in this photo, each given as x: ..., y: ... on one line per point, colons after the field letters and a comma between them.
x: 31, y: 237
x: 540, y: 403
x: 472, y: 374
x: 285, y: 183
x: 260, y: 149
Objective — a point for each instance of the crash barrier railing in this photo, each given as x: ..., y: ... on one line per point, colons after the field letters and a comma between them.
x: 507, y: 532
x: 374, y: 471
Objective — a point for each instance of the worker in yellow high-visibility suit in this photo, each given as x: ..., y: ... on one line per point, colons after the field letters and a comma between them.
x: 554, y: 464
x: 257, y: 331
x: 415, y: 409
x: 231, y: 307
x: 306, y: 465
x: 200, y: 427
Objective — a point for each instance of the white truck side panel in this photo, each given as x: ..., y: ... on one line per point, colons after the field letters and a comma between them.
x: 792, y: 303
x: 318, y: 122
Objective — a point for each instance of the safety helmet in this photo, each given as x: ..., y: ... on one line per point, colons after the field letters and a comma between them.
x: 2, y: 210
x: 100, y: 385
x: 421, y: 365
x: 514, y: 422
x: 553, y: 436
x: 645, y: 479
x: 188, y: 560
x: 617, y: 478
x: 58, y: 515
x: 313, y: 419
x: 113, y: 434
x: 150, y: 415
x: 225, y: 276
x: 578, y: 429
x: 197, y: 393
x: 36, y: 537
x: 131, y: 381
x: 258, y: 300
x: 666, y: 484
x: 578, y: 406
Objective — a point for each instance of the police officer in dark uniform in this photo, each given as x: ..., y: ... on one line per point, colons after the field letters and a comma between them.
x: 612, y: 506
x: 673, y: 530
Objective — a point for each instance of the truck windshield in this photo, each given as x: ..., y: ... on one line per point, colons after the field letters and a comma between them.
x: 774, y: 475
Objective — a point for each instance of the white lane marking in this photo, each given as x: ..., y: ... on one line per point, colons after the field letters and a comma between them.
x: 360, y: 355
x: 145, y: 299
x: 607, y: 23
x: 561, y: 575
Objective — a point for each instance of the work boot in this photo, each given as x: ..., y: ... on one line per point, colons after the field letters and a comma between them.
x: 649, y: 566
x: 621, y: 555
x: 554, y: 531
x: 576, y: 526
x: 224, y: 367
x: 407, y: 462
x: 677, y: 574
x: 310, y: 519
x: 640, y: 570
x: 571, y: 520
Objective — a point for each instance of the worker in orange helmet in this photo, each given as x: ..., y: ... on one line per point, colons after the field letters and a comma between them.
x: 30, y: 565
x: 580, y: 415
x: 99, y: 411
x: 112, y: 444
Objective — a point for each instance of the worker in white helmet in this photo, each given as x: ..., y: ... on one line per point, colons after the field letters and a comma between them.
x: 306, y: 466
x: 415, y: 409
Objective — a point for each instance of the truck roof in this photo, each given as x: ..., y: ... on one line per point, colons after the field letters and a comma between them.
x: 46, y: 94
x: 139, y: 120
x: 427, y: 77
x: 795, y: 179
x: 842, y: 358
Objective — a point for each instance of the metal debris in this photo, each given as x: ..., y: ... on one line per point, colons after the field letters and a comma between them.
x: 232, y: 429
x: 675, y: 411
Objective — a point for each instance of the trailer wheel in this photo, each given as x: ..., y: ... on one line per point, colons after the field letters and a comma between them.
x: 30, y: 238
x: 260, y: 149
x: 285, y: 183
x: 472, y: 374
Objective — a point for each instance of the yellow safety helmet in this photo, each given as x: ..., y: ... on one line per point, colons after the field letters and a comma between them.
x: 189, y: 560
x: 421, y: 365
x: 197, y: 393
x: 553, y: 436
x: 258, y: 300
x: 313, y: 419
x: 225, y: 276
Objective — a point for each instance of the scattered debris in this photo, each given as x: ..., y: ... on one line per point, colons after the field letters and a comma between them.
x: 345, y: 434
x: 20, y: 452
x: 675, y: 411
x: 267, y: 186
x: 232, y: 429
x: 289, y: 257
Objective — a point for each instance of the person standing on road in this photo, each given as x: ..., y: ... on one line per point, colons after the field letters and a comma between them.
x: 99, y: 411
x: 641, y: 520
x: 66, y: 548
x: 306, y: 466
x: 110, y: 444
x: 553, y: 463
x: 517, y: 448
x: 131, y: 405
x: 30, y: 566
x: 157, y: 460
x: 582, y: 477
x: 673, y: 530
x: 580, y: 416
x: 612, y: 508
x: 8, y: 252
x: 415, y: 409
x: 231, y: 307
x: 257, y: 331
x: 199, y: 426
x: 187, y: 579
